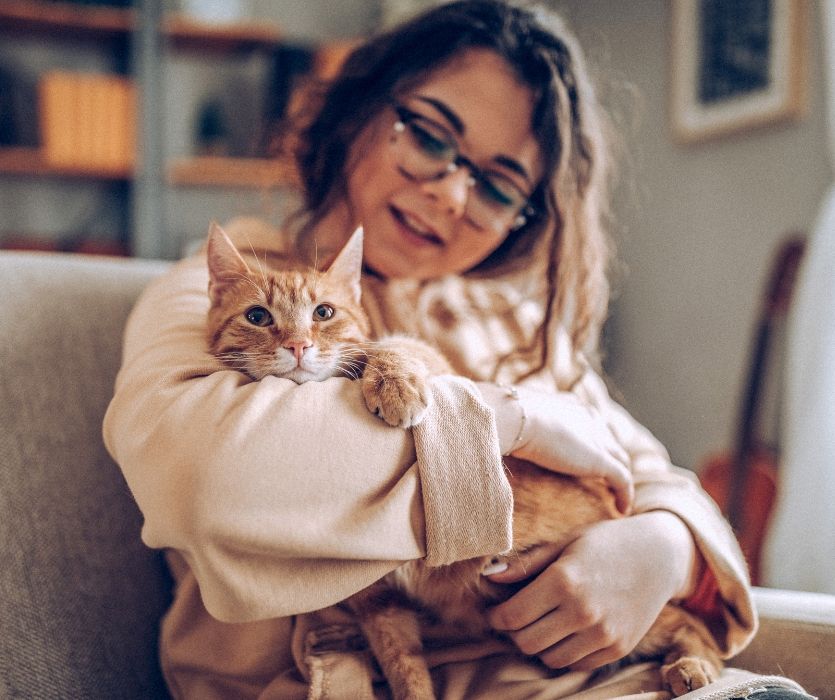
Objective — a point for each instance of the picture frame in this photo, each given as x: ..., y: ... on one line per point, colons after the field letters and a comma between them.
x: 735, y: 65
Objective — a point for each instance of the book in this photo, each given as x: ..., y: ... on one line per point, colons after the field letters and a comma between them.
x: 88, y: 121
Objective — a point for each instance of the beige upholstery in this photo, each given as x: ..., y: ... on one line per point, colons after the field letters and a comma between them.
x: 80, y: 596
x: 796, y: 639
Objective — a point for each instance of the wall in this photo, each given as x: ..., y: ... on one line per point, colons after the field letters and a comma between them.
x: 696, y: 231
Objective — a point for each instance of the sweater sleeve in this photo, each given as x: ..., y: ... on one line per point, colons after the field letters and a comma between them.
x: 286, y: 498
x: 729, y: 610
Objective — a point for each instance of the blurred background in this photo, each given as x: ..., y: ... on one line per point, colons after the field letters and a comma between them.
x: 126, y: 127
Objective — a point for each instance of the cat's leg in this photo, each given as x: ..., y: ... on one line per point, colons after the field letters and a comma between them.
x: 395, y: 381
x: 691, y: 659
x: 392, y: 629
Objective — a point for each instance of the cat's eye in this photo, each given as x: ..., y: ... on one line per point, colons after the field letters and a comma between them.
x: 323, y: 312
x: 259, y: 316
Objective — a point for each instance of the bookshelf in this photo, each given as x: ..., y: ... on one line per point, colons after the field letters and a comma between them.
x: 26, y: 161
x: 140, y: 33
x: 210, y: 171
x: 69, y: 20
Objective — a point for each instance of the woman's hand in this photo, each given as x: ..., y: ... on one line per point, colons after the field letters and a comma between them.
x: 562, y: 434
x: 591, y: 604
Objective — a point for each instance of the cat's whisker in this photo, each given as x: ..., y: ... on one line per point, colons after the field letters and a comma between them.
x: 372, y: 353
x: 375, y: 370
x: 248, y: 279
x: 316, y: 266
x: 350, y: 369
x: 358, y: 361
x: 342, y: 359
x: 261, y: 268
x: 352, y: 354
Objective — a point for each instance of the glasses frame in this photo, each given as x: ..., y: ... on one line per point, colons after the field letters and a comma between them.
x: 406, y: 115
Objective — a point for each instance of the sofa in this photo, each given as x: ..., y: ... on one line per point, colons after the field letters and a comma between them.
x: 80, y: 595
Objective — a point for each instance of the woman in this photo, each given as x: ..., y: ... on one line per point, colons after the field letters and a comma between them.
x: 469, y: 145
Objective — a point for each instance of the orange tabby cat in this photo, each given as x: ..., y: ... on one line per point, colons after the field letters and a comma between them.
x: 307, y: 325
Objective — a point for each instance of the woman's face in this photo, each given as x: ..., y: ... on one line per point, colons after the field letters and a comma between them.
x: 421, y: 227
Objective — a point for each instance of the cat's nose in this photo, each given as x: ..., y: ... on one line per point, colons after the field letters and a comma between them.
x: 297, y: 347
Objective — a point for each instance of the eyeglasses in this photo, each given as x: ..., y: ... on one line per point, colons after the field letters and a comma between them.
x: 425, y: 150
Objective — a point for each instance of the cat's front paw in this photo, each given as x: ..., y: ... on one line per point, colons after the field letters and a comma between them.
x: 688, y: 673
x: 399, y: 397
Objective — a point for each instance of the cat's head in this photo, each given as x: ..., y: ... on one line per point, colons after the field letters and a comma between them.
x: 300, y: 324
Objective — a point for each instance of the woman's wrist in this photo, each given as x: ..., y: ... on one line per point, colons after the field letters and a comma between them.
x: 686, y: 562
x: 512, y: 393
x: 511, y: 416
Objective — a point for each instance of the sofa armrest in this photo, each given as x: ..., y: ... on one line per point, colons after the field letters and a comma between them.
x: 795, y: 639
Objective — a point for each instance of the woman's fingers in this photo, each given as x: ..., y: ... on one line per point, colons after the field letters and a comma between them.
x: 525, y: 564
x: 564, y: 435
x: 538, y: 598
x: 537, y: 639
x: 543, y: 621
x: 598, y: 595
x: 620, y: 482
x: 613, y: 471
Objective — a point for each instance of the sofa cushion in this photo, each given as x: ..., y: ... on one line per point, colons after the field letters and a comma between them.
x: 795, y: 639
x: 80, y: 595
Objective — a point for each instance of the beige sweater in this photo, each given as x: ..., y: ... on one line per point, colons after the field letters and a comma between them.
x: 274, y: 499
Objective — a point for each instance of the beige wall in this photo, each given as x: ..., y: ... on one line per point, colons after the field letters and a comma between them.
x: 696, y: 232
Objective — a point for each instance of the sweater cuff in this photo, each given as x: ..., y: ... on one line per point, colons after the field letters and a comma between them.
x: 730, y: 613
x: 467, y: 499
x: 705, y: 602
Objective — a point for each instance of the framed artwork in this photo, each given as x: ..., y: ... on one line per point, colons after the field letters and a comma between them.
x: 735, y: 65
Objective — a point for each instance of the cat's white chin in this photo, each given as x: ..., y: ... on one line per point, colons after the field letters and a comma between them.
x: 300, y: 376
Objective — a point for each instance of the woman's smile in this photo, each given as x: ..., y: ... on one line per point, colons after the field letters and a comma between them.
x: 414, y: 231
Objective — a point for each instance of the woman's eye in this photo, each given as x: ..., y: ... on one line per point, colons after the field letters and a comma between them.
x: 259, y: 316
x: 429, y: 142
x: 497, y: 192
x: 323, y: 312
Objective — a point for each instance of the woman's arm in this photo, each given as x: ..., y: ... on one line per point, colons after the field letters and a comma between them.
x: 283, y: 497
x: 660, y: 486
x: 558, y: 431
x: 573, y: 611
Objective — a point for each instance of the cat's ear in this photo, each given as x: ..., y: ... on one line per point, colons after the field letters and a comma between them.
x: 225, y: 262
x: 346, y: 269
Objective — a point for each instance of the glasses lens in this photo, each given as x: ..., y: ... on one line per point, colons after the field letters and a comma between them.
x: 496, y: 196
x: 424, y: 150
